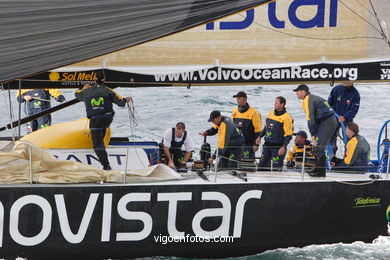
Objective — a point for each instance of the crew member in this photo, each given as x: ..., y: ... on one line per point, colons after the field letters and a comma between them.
x: 229, y: 140
x: 178, y: 145
x: 248, y: 122
x: 322, y: 125
x: 98, y: 101
x: 277, y: 132
x: 38, y: 100
x: 295, y: 154
x: 357, y: 154
x: 345, y: 101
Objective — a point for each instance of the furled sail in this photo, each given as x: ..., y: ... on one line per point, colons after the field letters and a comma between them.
x: 40, y: 35
x: 282, y: 42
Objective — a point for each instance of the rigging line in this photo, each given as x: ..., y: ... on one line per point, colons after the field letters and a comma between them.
x: 380, y: 26
x: 315, y: 38
x: 362, y: 5
x: 132, y: 118
x: 361, y: 17
x: 133, y: 123
x: 9, y: 106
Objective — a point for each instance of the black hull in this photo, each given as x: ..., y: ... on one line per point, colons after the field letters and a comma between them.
x: 274, y: 215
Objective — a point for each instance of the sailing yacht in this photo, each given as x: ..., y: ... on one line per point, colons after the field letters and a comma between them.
x: 201, y: 214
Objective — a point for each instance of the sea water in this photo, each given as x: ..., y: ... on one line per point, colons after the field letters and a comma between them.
x: 160, y: 108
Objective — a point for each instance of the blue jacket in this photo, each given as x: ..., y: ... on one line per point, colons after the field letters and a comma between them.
x: 345, y: 102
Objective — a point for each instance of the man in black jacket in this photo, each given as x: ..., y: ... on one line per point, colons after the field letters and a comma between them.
x: 98, y: 101
x: 38, y: 100
x: 322, y: 125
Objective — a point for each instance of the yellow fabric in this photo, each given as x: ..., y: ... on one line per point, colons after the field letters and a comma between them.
x: 221, y: 134
x: 252, y: 115
x: 351, y: 147
x: 74, y: 134
x: 84, y: 87
x: 116, y: 94
x: 305, y: 105
x: 53, y: 92
x: 285, y: 119
x: 21, y: 92
x: 45, y: 168
x: 296, y: 149
x: 290, y: 153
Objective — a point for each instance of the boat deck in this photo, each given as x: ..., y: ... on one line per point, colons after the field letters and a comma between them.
x: 227, y: 177
x: 270, y: 177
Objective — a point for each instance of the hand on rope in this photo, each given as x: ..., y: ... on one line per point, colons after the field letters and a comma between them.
x: 131, y: 110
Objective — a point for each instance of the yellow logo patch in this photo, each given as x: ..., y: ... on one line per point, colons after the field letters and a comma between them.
x: 54, y: 76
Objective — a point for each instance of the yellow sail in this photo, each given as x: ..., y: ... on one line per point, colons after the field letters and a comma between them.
x: 67, y: 135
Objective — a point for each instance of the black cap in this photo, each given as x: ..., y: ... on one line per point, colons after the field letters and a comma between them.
x: 302, y: 87
x: 240, y: 94
x: 99, y: 76
x: 214, y: 114
x: 301, y: 133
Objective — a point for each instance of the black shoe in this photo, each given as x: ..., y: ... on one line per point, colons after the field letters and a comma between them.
x: 107, y: 168
x: 319, y: 169
x: 317, y: 172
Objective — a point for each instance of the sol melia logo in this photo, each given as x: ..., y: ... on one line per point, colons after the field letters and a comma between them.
x: 54, y: 76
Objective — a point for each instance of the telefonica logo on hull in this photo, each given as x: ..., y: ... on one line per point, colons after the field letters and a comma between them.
x: 367, y: 202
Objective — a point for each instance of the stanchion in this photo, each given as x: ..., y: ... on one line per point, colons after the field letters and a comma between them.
x: 30, y: 162
x: 216, y: 165
x: 303, y: 162
x: 388, y: 164
x: 127, y: 159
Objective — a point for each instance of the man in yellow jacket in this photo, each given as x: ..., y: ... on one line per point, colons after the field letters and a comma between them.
x: 357, y: 154
x: 295, y: 154
x: 229, y: 140
x: 248, y: 122
x: 277, y: 133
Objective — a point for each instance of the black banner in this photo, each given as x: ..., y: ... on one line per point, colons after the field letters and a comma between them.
x: 203, y: 220
x: 316, y: 73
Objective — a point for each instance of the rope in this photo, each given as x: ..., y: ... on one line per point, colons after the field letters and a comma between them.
x: 380, y: 26
x: 132, y: 115
x: 361, y: 17
x: 314, y: 38
x: 353, y: 184
x: 133, y: 122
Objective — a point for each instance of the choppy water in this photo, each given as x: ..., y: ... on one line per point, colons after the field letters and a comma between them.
x: 160, y: 109
x: 339, y: 251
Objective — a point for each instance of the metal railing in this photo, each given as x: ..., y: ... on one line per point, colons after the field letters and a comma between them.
x: 302, y: 167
